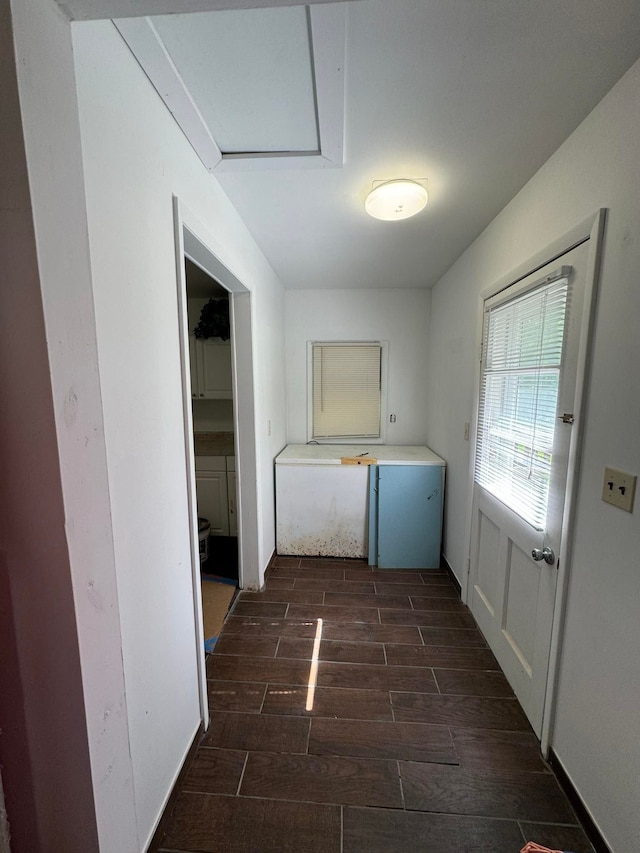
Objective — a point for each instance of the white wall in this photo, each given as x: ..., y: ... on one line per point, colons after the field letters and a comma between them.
x: 400, y: 317
x: 64, y: 598
x: 96, y: 603
x: 135, y: 159
x: 43, y: 736
x: 596, y: 731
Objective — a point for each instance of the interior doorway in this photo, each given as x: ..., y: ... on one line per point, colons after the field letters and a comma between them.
x: 210, y: 345
x: 195, y: 246
x: 212, y: 407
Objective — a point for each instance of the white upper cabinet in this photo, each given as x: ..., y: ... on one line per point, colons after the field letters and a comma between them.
x: 210, y: 369
x: 193, y: 364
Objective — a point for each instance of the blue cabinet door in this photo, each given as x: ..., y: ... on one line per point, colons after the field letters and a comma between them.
x: 409, y: 516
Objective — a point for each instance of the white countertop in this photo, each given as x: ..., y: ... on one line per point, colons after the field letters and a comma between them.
x: 330, y: 454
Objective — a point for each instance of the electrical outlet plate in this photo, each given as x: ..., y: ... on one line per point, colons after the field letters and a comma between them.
x: 619, y: 488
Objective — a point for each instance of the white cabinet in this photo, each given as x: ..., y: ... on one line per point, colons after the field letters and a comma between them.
x: 210, y: 369
x: 216, y: 493
x: 231, y: 493
x: 211, y: 491
x: 193, y: 366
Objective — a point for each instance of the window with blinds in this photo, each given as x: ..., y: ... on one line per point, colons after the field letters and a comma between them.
x: 346, y: 390
x: 522, y: 355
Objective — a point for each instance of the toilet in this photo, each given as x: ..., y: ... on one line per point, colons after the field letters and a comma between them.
x: 204, y: 530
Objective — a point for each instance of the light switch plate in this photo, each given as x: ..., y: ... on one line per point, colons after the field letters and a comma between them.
x: 619, y: 488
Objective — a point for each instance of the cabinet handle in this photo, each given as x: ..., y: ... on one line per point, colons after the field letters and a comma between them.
x: 231, y: 509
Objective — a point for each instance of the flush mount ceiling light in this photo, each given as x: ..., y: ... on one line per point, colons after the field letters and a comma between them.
x: 396, y: 200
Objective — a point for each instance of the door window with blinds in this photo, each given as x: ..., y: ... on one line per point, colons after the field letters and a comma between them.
x: 521, y: 358
x: 346, y: 390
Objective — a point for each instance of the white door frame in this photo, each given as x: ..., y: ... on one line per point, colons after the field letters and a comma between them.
x: 194, y: 242
x: 591, y: 229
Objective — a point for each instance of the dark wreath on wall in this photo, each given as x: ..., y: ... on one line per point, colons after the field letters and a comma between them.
x: 214, y: 320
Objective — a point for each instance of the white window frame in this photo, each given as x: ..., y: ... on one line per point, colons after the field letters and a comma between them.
x: 384, y: 359
x: 532, y: 505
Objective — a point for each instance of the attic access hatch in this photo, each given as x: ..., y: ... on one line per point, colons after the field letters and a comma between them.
x: 252, y: 88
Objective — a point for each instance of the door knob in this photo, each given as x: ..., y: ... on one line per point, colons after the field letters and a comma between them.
x: 545, y: 554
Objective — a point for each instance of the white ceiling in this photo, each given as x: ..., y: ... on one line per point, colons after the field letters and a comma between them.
x: 89, y: 10
x: 250, y: 75
x: 470, y: 96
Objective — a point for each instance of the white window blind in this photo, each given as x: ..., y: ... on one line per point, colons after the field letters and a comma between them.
x: 346, y: 379
x: 522, y: 354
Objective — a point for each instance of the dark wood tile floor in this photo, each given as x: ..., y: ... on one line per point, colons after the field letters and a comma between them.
x: 414, y: 740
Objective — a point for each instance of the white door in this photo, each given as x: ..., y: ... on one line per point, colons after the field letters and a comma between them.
x: 531, y: 337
